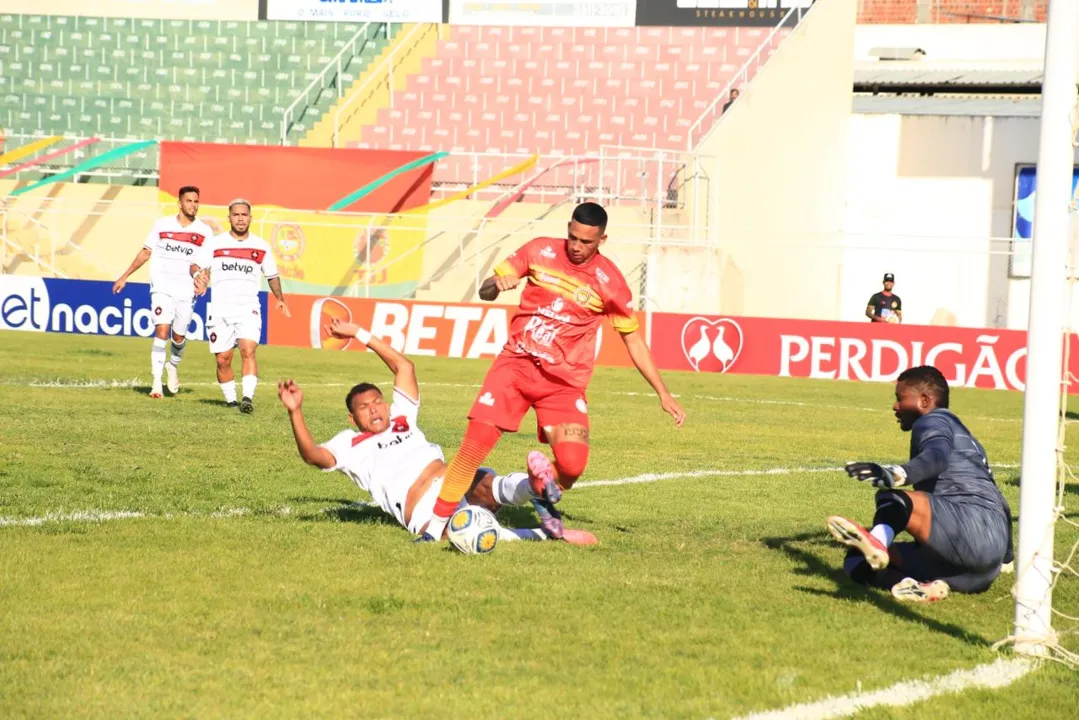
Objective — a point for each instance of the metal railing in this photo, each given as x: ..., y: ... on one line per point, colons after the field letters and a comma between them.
x: 383, y: 72
x: 309, y: 95
x: 138, y: 166
x: 699, y: 129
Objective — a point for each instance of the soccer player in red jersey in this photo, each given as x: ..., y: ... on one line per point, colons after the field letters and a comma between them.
x: 547, y: 362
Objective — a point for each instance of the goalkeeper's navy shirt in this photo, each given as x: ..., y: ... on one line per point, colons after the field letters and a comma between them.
x: 946, y: 461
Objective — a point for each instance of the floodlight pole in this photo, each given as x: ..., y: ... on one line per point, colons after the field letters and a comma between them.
x: 1045, y: 343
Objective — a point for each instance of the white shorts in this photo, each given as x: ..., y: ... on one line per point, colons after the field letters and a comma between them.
x: 425, y: 508
x: 168, y: 310
x: 225, y: 332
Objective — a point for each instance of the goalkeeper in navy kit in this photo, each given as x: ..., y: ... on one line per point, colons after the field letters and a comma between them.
x: 945, y: 497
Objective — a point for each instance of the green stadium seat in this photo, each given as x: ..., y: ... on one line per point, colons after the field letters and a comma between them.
x: 197, y: 78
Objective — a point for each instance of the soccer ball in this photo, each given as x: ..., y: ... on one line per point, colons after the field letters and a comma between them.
x: 473, y: 530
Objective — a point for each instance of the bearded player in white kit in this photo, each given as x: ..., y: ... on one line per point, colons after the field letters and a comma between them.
x: 391, y: 458
x: 233, y: 264
x: 171, y: 244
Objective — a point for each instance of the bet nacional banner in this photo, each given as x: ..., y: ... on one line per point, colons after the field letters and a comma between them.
x: 546, y: 13
x: 88, y: 307
x: 866, y: 352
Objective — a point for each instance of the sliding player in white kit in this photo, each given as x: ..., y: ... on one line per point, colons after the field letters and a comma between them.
x: 233, y: 264
x: 392, y: 459
x: 170, y: 246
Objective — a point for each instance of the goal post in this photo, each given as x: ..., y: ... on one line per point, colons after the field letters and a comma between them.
x: 1053, y: 217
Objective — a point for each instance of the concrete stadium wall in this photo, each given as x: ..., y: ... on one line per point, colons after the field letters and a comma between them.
x: 779, y: 174
x: 962, y: 43
x: 942, y: 187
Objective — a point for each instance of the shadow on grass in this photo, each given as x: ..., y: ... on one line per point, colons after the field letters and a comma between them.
x: 145, y: 390
x: 216, y: 402
x: 845, y: 589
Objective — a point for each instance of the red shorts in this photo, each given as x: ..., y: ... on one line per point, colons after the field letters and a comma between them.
x: 515, y: 384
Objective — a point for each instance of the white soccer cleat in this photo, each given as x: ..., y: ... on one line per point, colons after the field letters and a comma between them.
x: 854, y: 535
x: 910, y: 590
x: 172, y: 379
x: 156, y: 391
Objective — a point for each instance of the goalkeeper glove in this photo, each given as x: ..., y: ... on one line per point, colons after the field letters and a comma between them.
x: 881, y: 476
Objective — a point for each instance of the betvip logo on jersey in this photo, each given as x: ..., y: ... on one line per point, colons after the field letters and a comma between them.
x: 711, y: 345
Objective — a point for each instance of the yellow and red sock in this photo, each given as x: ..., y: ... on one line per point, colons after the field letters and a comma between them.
x: 479, y: 440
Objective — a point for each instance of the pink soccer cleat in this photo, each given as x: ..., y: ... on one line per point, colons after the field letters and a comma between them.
x: 854, y: 535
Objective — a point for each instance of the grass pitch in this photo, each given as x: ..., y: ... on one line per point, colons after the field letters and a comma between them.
x: 243, y: 583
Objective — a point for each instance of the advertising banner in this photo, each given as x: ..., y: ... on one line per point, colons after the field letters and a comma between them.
x: 968, y: 357
x: 34, y: 304
x: 1026, y: 180
x: 415, y: 328
x: 867, y: 352
x: 737, y: 13
x: 403, y: 11
x: 549, y: 13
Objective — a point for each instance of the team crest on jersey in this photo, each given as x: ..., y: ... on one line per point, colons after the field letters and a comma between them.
x: 582, y: 295
x: 288, y: 243
x: 400, y: 424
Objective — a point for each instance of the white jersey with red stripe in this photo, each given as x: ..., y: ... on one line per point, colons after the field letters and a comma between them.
x: 173, y: 248
x: 236, y: 271
x: 386, y: 464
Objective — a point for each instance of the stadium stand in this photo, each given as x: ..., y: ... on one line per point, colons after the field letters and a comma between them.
x: 563, y: 91
x: 220, y: 81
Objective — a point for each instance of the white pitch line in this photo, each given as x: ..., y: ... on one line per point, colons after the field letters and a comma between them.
x: 991, y: 676
x: 106, y: 515
x: 102, y: 384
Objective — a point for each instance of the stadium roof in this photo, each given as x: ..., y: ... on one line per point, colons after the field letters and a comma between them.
x: 937, y: 105
x: 920, y: 75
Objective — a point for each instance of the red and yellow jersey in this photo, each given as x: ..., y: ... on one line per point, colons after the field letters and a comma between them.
x: 562, y: 307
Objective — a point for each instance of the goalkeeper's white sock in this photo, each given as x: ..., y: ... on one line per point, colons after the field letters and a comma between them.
x: 229, y: 390
x: 249, y: 382
x: 884, y: 533
x: 157, y: 359
x: 511, y: 489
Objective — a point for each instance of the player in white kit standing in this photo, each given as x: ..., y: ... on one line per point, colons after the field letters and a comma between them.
x: 170, y: 247
x: 388, y: 455
x: 233, y: 264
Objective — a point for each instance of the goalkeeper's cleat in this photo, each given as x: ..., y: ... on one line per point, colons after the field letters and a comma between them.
x: 541, y: 480
x: 854, y: 535
x: 172, y: 380
x: 156, y: 392
x: 910, y: 590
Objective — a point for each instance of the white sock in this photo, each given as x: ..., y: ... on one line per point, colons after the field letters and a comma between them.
x: 884, y: 533
x: 515, y: 534
x: 512, y: 489
x: 436, y: 526
x: 249, y: 383
x: 157, y: 359
x: 178, y: 351
x: 229, y: 389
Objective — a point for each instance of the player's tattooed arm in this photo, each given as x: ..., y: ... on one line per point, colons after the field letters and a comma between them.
x: 292, y: 398
x: 275, y: 288
x: 646, y: 366
x: 139, y: 261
